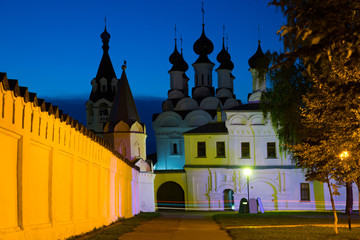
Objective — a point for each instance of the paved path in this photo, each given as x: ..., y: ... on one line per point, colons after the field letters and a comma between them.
x: 178, y: 226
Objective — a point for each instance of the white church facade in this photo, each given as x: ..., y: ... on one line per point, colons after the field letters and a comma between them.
x: 207, y: 140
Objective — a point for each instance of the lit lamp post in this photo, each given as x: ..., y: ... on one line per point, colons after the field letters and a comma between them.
x: 247, y: 172
x: 343, y: 156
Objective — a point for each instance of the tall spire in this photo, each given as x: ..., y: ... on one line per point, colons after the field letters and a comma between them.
x: 181, y: 45
x: 227, y: 42
x: 177, y: 59
x: 223, y: 38
x: 224, y: 57
x: 203, y: 13
x: 175, y: 33
x: 123, y: 108
x: 105, y: 70
x: 203, y: 46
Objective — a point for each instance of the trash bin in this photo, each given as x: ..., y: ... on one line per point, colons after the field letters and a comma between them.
x: 244, y: 206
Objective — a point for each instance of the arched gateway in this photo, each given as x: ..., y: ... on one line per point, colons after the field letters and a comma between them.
x: 170, y: 196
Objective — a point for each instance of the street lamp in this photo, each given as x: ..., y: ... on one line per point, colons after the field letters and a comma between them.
x: 247, y: 172
x: 343, y: 156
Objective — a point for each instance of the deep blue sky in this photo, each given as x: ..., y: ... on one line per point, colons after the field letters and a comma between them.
x: 54, y: 47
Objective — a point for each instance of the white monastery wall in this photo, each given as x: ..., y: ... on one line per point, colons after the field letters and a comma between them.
x: 57, y: 178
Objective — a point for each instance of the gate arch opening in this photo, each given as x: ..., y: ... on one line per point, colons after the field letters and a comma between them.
x: 170, y: 196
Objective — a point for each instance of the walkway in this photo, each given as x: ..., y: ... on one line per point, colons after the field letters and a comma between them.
x: 179, y: 226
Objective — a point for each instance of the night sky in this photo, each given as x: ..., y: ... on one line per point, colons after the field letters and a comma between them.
x: 54, y: 47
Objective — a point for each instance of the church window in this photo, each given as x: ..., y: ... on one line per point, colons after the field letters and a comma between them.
x: 201, y: 149
x: 305, y: 191
x: 220, y: 149
x: 196, y: 80
x: 202, y: 79
x: 174, y: 148
x: 103, y: 112
x: 271, y: 150
x: 245, y: 150
x: 103, y: 88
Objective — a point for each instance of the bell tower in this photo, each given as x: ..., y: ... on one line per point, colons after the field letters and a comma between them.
x: 103, y: 90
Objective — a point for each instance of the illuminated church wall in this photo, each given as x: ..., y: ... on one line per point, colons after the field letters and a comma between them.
x: 57, y: 178
x: 213, y: 119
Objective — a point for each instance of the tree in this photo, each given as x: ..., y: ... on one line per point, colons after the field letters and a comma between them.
x: 284, y: 99
x: 331, y: 125
x: 325, y: 35
x: 318, y: 29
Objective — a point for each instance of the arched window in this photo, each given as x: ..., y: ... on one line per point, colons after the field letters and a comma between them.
x: 137, y: 149
x: 103, y: 112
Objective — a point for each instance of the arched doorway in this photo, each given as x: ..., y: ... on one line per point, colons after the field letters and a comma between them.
x: 170, y: 196
x: 228, y: 200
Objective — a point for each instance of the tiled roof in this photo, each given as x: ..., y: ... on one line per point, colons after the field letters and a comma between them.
x: 123, y: 108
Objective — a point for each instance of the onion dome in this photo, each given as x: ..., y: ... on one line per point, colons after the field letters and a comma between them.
x: 105, y: 36
x: 183, y: 65
x: 203, y: 47
x: 175, y: 56
x: 259, y: 59
x: 178, y: 61
x: 224, y: 59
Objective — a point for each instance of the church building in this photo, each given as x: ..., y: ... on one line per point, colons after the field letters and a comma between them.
x: 213, y: 150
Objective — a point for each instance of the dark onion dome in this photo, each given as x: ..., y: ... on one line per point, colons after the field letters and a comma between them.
x: 224, y: 59
x: 178, y: 61
x: 203, y: 46
x: 183, y: 66
x: 259, y: 59
x: 105, y: 36
x: 175, y: 56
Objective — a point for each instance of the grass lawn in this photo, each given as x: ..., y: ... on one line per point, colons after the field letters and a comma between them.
x: 266, y: 226
x: 116, y: 229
